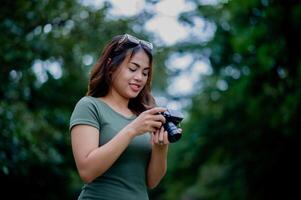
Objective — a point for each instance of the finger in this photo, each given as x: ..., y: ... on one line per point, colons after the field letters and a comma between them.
x: 156, y: 125
x: 153, y: 137
x: 161, y: 134
x: 165, y: 135
x: 156, y: 137
x: 156, y: 110
x: 152, y: 129
x: 160, y: 118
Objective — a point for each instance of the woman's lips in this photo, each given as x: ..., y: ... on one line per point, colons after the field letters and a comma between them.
x: 135, y: 87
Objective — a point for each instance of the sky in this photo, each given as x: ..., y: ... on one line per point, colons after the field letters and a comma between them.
x: 164, y: 23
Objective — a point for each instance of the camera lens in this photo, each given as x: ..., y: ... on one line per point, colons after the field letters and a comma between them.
x: 172, y: 131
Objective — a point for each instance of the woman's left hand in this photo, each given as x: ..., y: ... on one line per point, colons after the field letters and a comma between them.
x: 160, y: 137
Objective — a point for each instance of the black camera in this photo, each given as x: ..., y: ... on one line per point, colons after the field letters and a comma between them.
x: 173, y: 118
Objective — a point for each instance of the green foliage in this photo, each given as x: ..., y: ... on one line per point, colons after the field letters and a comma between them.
x: 241, y: 143
x: 35, y: 153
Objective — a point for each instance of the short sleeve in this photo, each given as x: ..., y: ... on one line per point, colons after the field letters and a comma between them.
x: 85, y: 112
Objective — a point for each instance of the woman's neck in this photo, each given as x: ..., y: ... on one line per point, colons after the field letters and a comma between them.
x: 116, y: 101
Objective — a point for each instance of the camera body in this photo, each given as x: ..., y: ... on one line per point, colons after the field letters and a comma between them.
x: 173, y: 118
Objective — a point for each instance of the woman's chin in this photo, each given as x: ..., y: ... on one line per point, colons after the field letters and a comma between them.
x: 134, y: 95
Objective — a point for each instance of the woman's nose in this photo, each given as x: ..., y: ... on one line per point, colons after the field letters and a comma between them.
x: 138, y: 76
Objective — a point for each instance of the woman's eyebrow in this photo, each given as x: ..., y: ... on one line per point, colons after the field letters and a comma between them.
x: 137, y: 65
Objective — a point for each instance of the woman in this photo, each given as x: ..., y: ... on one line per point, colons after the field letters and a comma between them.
x: 118, y: 143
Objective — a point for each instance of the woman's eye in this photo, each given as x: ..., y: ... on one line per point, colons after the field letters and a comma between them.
x: 145, y: 72
x: 132, y: 69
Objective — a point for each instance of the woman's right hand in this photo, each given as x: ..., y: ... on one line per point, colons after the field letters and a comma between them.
x: 148, y: 121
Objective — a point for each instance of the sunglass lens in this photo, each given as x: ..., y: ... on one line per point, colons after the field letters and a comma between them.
x: 129, y: 41
x: 147, y: 44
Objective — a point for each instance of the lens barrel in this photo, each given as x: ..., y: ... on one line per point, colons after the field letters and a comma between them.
x: 172, y: 131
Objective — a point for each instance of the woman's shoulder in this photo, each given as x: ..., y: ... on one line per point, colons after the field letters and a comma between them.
x: 85, y: 112
x: 92, y: 102
x: 86, y: 100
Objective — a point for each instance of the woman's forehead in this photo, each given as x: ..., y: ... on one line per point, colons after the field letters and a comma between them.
x: 140, y: 58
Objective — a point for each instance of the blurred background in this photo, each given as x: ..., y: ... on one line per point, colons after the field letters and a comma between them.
x: 232, y: 67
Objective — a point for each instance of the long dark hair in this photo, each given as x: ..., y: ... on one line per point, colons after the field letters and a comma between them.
x: 101, y: 74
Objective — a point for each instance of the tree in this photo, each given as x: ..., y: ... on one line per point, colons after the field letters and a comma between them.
x: 48, y: 48
x: 241, y: 138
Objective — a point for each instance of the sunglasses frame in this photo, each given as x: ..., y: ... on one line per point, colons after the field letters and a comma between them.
x: 135, y: 40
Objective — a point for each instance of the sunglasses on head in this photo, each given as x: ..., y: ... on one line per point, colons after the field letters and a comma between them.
x: 132, y: 41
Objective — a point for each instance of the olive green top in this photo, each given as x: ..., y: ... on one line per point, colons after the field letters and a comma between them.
x: 126, y: 178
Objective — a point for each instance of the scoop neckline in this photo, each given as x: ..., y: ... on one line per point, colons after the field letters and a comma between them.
x: 118, y: 113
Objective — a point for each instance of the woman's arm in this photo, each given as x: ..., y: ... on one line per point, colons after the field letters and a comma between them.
x: 157, y: 166
x: 92, y: 160
x: 158, y: 161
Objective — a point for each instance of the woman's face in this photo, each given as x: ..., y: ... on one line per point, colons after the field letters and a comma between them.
x: 131, y: 76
